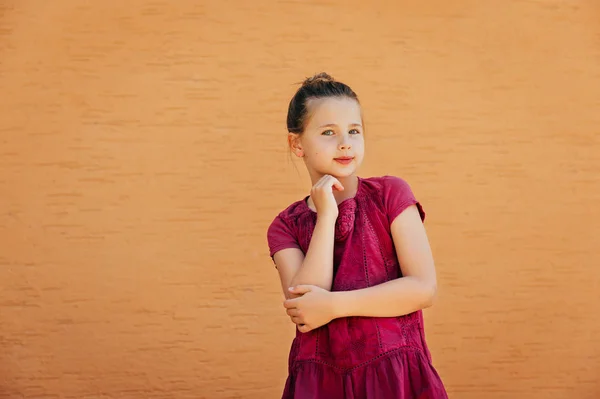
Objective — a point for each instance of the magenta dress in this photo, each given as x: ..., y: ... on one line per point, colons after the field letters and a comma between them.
x: 359, y: 357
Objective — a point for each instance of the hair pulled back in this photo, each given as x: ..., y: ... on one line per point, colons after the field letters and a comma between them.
x: 318, y: 86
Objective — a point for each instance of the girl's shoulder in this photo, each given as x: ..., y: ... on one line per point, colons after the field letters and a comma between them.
x: 291, y: 214
x: 283, y: 231
x: 294, y: 210
x: 385, y: 185
x: 390, y: 193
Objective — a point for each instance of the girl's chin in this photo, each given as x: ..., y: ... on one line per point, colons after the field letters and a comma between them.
x: 340, y: 173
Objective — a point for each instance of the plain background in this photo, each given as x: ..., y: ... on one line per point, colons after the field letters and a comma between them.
x: 143, y: 156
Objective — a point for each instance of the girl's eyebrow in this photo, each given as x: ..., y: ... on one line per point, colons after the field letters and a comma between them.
x: 334, y: 125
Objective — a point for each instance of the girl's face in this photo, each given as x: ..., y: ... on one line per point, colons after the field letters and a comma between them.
x: 332, y: 142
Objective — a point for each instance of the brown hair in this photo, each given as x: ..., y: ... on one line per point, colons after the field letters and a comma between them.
x: 318, y: 86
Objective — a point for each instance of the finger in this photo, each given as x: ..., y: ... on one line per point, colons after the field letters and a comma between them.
x: 333, y: 183
x: 301, y: 289
x: 303, y: 328
x: 328, y: 181
x: 337, y: 185
x: 293, y: 312
x: 322, y: 182
x: 289, y: 303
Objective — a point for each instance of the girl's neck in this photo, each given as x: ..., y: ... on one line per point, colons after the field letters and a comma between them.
x: 350, y: 184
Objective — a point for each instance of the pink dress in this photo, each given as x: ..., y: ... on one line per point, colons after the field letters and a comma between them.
x: 359, y: 357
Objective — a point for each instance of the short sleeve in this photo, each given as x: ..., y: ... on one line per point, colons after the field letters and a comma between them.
x: 398, y: 196
x: 280, y: 236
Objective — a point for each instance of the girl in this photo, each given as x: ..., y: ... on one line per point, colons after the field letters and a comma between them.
x: 354, y: 261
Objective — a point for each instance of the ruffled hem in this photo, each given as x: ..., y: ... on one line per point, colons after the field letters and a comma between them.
x: 402, y: 374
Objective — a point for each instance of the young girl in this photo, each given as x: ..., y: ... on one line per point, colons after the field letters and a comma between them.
x: 354, y: 261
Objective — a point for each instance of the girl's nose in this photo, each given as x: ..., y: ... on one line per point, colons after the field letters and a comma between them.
x: 345, y: 144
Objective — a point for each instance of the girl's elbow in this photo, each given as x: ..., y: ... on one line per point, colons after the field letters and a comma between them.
x: 431, y: 294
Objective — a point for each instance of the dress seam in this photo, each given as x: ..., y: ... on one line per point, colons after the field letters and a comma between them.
x: 344, y: 370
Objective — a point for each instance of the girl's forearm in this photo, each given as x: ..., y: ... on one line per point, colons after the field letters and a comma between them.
x: 390, y: 299
x: 317, y: 267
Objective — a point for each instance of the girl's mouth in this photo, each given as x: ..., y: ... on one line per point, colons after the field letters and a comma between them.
x: 344, y: 160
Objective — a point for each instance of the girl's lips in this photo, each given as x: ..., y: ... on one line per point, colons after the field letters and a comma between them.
x: 344, y: 160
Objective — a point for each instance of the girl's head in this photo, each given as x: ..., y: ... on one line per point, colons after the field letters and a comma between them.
x: 325, y: 127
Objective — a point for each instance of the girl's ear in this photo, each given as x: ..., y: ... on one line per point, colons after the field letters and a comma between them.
x: 295, y: 144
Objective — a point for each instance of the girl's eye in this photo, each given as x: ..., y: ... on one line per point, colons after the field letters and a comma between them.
x: 327, y: 132
x: 356, y: 131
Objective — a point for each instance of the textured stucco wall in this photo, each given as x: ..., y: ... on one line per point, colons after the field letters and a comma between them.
x: 143, y: 155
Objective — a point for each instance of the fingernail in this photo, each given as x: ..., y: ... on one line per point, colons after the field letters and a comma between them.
x: 291, y: 288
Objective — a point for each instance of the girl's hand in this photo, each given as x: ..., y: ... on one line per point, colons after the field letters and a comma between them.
x: 311, y: 310
x: 322, y: 196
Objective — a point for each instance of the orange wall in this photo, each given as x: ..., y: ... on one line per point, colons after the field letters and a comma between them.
x: 143, y: 155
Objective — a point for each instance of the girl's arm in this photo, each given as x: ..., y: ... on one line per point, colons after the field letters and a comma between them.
x: 316, y: 268
x: 414, y: 291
